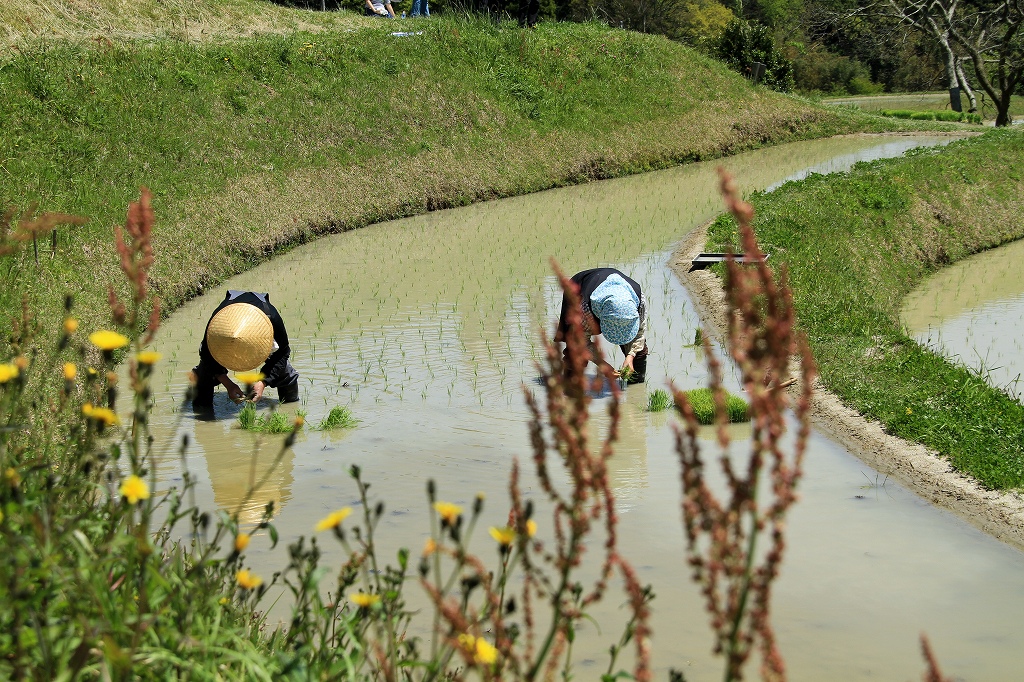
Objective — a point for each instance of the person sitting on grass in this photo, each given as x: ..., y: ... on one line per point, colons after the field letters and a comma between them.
x: 380, y: 8
x: 244, y: 331
x: 613, y: 305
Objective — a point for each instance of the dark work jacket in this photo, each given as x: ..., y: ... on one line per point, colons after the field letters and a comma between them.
x: 276, y: 367
x: 588, y: 281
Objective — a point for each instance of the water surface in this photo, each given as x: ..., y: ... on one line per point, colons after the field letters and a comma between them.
x: 427, y: 329
x: 973, y: 313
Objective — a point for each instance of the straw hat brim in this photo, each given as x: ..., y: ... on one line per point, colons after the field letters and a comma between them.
x: 240, y: 337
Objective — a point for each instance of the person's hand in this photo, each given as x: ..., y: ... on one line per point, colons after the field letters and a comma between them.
x: 628, y: 363
x: 257, y: 391
x: 234, y: 392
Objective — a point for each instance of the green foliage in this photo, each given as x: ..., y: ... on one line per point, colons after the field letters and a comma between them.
x: 702, y: 23
x: 745, y: 42
x: 950, y: 116
x: 659, y: 400
x: 703, y: 403
x: 340, y: 417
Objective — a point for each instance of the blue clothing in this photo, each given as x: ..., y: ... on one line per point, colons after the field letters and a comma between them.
x: 415, y: 11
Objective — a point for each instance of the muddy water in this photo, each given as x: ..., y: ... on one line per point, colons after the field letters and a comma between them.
x: 973, y: 312
x: 426, y: 328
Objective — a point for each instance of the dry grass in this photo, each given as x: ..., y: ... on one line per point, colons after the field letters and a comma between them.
x: 193, y: 20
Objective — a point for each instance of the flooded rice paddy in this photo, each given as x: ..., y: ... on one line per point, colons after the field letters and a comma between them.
x: 973, y: 312
x: 427, y: 329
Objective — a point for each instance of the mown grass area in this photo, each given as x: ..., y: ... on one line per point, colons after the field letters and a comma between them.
x: 856, y: 244
x: 23, y: 21
x: 251, y: 145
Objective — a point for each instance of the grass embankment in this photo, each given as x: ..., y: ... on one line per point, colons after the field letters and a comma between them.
x: 856, y: 244
x: 251, y: 145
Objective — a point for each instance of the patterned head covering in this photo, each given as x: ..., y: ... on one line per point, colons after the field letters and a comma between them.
x: 617, y: 307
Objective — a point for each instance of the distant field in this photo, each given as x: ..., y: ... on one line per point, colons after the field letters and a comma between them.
x: 923, y: 101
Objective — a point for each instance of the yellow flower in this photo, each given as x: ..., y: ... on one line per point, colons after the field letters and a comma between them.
x: 134, y: 489
x: 531, y: 527
x: 13, y: 477
x: 70, y: 371
x: 241, y: 542
x: 334, y: 519
x: 430, y: 547
x: 448, y: 512
x: 503, y: 536
x: 364, y: 600
x: 70, y: 326
x: 100, y: 414
x: 483, y: 652
x: 223, y: 601
x: 249, y: 377
x: 7, y: 372
x: 108, y: 340
x: 248, y: 580
x: 148, y: 357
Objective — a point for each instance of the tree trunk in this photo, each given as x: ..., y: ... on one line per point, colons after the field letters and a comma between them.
x: 965, y: 86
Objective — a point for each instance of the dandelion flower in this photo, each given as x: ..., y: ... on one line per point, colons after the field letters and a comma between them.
x: 503, y: 536
x: 134, y: 489
x: 249, y: 377
x: 223, y: 601
x: 148, y: 357
x: 70, y: 371
x: 107, y: 340
x: 334, y: 519
x: 100, y: 414
x: 430, y: 547
x: 242, y: 541
x: 531, y: 527
x: 70, y: 326
x: 364, y: 600
x: 7, y: 372
x: 248, y: 580
x: 483, y: 652
x: 448, y: 512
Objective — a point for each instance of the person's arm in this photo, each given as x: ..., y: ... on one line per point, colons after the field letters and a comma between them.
x: 640, y: 341
x: 391, y: 12
x: 234, y: 392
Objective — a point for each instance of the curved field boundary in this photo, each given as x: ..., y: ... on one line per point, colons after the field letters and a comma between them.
x: 854, y: 245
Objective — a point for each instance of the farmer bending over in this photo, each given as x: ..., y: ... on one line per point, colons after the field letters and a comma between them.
x: 613, y: 305
x: 244, y: 331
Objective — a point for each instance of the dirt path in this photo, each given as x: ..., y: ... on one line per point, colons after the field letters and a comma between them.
x: 1001, y: 514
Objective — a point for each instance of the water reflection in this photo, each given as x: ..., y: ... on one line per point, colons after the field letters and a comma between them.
x: 973, y: 312
x: 426, y: 327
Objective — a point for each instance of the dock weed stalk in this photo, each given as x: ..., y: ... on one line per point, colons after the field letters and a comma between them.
x: 722, y: 534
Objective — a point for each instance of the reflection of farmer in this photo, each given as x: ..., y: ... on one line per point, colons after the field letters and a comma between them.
x: 613, y: 305
x: 244, y: 331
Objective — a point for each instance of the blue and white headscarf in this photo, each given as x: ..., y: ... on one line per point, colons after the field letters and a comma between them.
x: 617, y: 307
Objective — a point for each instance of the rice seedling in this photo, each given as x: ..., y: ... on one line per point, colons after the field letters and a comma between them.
x: 276, y: 422
x: 703, y: 403
x: 658, y: 401
x: 340, y: 417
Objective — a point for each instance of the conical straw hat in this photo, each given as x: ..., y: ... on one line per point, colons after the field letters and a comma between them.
x: 240, y: 337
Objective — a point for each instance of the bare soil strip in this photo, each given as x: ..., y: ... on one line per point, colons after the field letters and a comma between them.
x: 1000, y: 514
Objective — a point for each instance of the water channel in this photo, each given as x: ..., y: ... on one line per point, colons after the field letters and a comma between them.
x: 973, y: 312
x: 426, y: 328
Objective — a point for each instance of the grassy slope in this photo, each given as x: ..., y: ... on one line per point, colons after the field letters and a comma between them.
x: 856, y: 244
x: 253, y: 144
